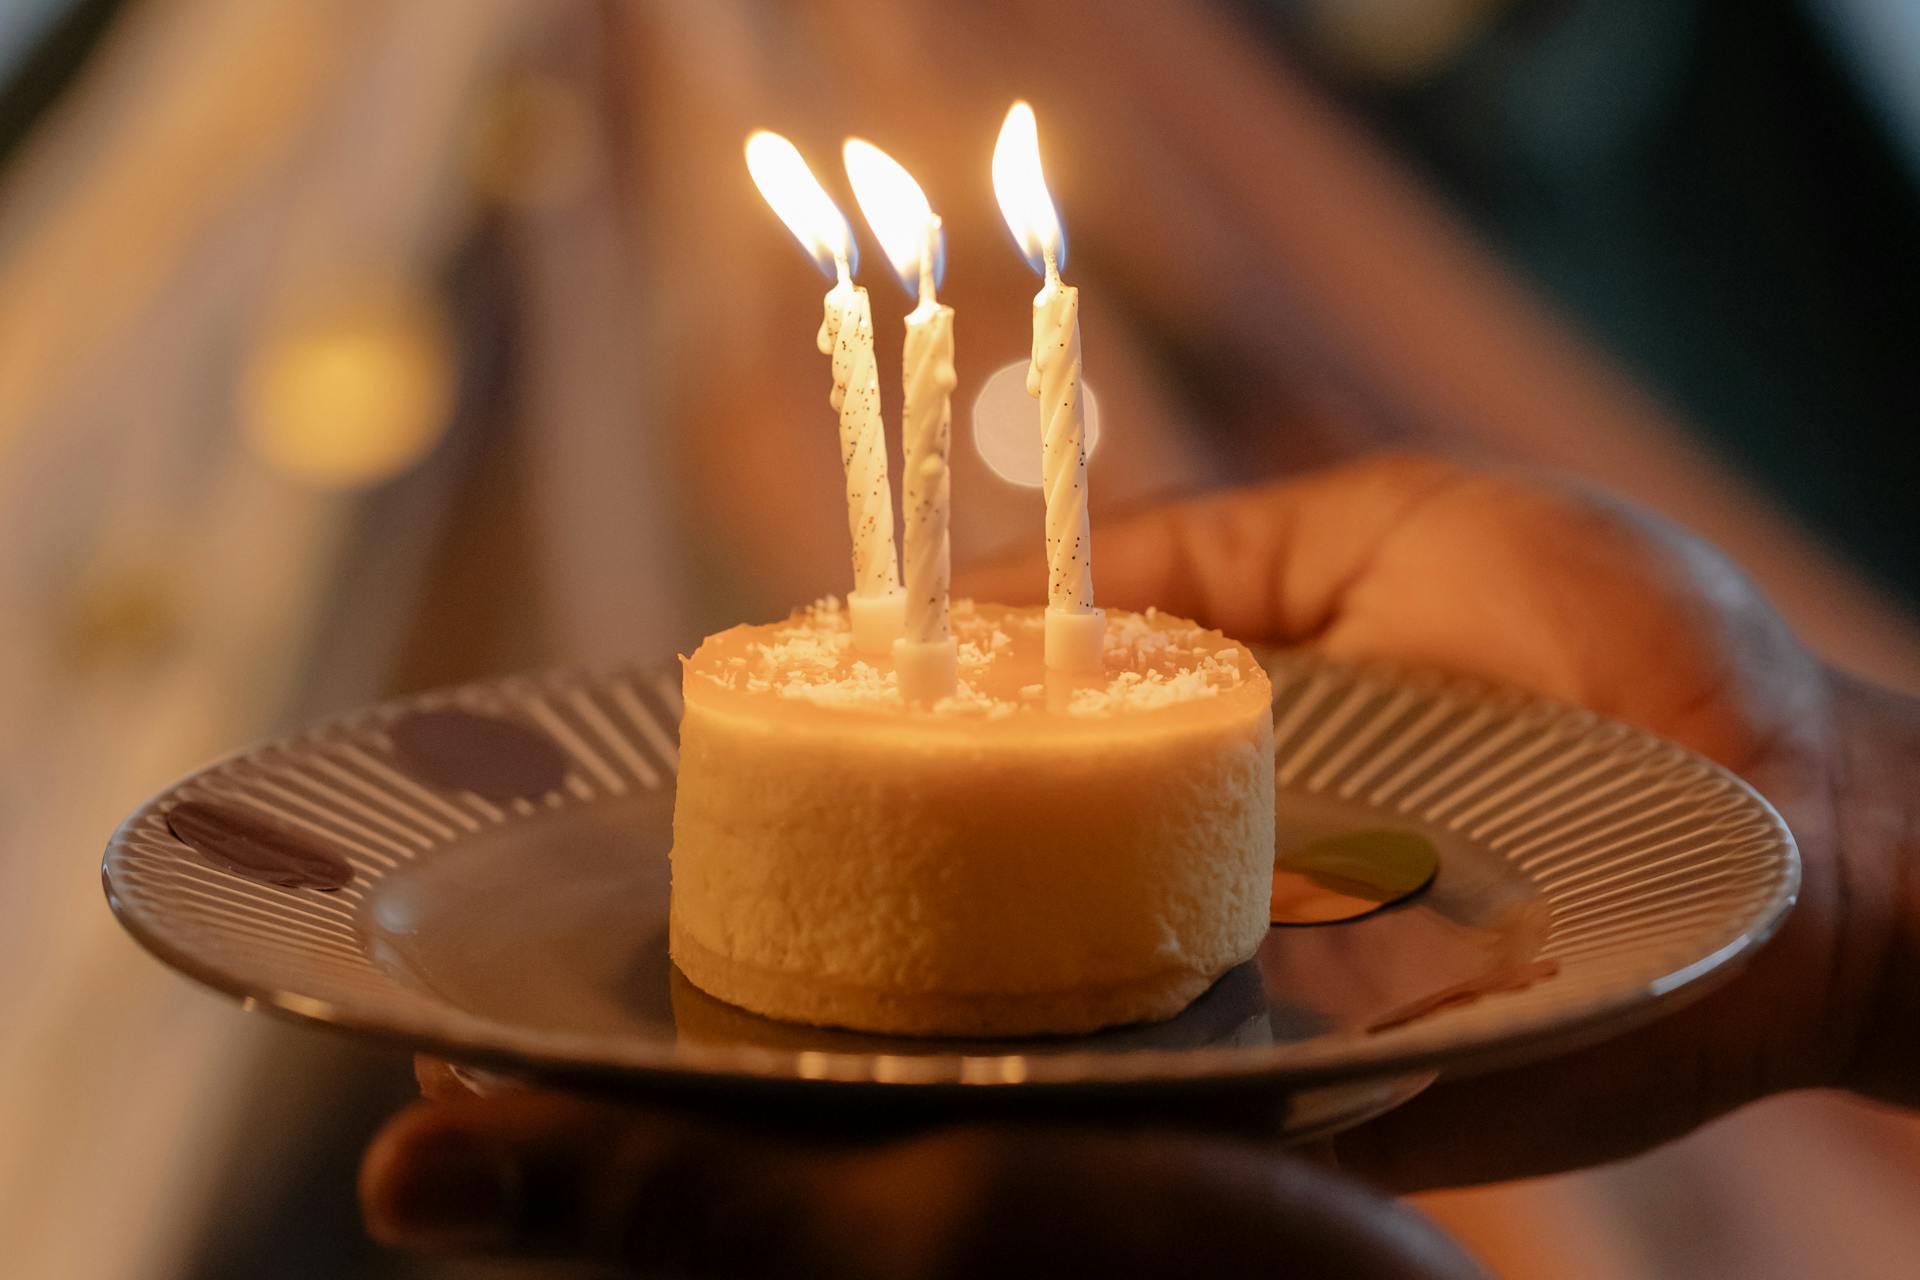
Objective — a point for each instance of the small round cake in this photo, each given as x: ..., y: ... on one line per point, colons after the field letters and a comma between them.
x: 1035, y: 854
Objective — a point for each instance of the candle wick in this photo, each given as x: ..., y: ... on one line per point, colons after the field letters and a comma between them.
x: 929, y: 248
x: 1052, y: 258
x: 842, y: 270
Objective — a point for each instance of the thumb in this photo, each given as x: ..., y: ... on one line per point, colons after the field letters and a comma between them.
x: 1269, y: 563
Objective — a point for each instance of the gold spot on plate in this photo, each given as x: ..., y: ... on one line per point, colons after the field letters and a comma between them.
x: 1347, y: 876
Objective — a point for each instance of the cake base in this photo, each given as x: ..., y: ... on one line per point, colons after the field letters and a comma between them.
x: 826, y: 1002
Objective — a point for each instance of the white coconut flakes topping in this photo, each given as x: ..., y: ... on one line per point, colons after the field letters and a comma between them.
x: 1152, y: 661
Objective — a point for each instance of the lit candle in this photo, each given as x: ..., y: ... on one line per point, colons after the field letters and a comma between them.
x: 897, y: 210
x: 876, y: 606
x: 1076, y: 630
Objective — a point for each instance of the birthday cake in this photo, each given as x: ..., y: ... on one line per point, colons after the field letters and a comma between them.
x: 1036, y: 853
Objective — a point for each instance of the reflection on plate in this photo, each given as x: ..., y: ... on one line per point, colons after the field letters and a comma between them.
x: 1346, y: 876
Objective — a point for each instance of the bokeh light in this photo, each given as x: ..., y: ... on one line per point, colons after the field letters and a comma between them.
x: 352, y: 391
x: 1006, y: 425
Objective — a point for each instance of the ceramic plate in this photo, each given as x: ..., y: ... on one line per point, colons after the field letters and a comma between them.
x: 482, y: 872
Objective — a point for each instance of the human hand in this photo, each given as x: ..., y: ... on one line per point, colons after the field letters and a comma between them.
x: 1591, y: 601
x: 1404, y: 558
x: 734, y: 1189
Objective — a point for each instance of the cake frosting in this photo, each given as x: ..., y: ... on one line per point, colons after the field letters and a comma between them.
x: 1033, y: 854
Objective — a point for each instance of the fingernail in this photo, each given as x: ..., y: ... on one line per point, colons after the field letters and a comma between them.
x: 448, y: 1191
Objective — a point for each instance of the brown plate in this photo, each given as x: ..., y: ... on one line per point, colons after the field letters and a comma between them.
x: 483, y: 872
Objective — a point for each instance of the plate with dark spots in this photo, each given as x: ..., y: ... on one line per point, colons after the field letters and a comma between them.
x: 482, y: 873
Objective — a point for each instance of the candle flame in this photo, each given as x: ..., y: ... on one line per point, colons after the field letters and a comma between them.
x: 896, y: 209
x: 1022, y: 190
x: 789, y: 186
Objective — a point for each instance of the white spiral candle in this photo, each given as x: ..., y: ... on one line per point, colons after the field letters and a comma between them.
x: 925, y: 658
x: 875, y: 605
x: 1076, y: 631
x: 846, y: 333
x: 1054, y: 377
